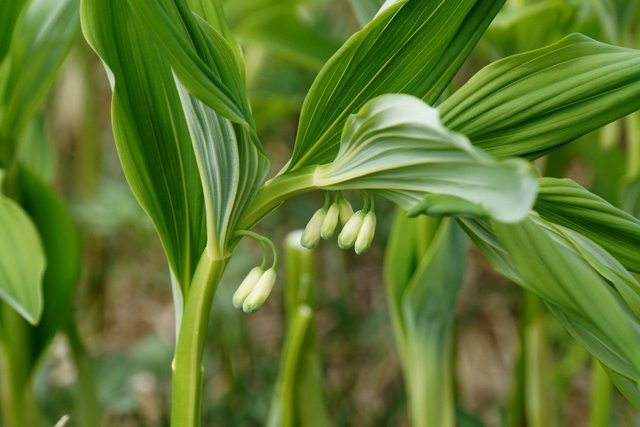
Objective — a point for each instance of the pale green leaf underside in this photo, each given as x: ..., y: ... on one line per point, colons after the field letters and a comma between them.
x: 413, y: 47
x: 150, y: 131
x: 527, y: 104
x: 564, y: 202
x: 397, y: 147
x: 231, y: 169
x: 22, y: 261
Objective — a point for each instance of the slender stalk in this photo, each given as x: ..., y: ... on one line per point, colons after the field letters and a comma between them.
x: 88, y: 412
x: 187, y: 364
x: 276, y: 191
x: 601, y: 396
x: 539, y: 398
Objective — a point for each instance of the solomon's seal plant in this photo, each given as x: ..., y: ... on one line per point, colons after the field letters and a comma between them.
x: 191, y: 153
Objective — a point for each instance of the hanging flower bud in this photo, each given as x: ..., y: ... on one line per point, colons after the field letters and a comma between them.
x: 346, y: 211
x: 330, y: 222
x: 260, y: 291
x: 349, y: 232
x: 366, y: 233
x: 246, y: 286
x: 311, y: 236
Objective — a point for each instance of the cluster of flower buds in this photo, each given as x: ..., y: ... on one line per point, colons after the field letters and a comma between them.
x: 254, y: 289
x: 357, y: 232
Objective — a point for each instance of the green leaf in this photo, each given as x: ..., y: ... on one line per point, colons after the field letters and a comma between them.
x: 592, y: 294
x: 413, y: 47
x: 22, y: 261
x: 564, y: 202
x: 397, y: 147
x: 150, y: 131
x: 423, y: 275
x: 528, y: 104
x: 9, y: 12
x: 204, y: 61
x: 61, y: 243
x: 44, y: 35
x: 231, y: 169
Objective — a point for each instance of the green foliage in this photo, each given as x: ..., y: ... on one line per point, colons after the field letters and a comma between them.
x: 412, y: 47
x: 397, y: 148
x: 528, y: 104
x: 423, y: 277
x: 22, y: 261
x: 47, y: 29
x: 151, y: 132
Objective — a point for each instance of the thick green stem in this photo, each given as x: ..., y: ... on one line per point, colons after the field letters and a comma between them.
x: 601, y: 396
x: 276, y: 191
x: 187, y: 364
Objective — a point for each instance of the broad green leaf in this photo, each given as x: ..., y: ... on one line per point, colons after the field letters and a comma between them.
x: 423, y: 275
x: 22, y: 261
x: 231, y: 169
x: 61, y: 243
x: 150, y: 131
x: 397, y: 147
x: 528, y: 104
x: 9, y: 12
x: 203, y: 60
x: 44, y: 34
x: 585, y: 287
x: 413, y: 47
x: 564, y: 202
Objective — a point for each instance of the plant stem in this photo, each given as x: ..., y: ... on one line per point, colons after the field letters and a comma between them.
x: 18, y: 405
x: 275, y: 191
x: 88, y: 411
x: 187, y: 364
x: 601, y: 394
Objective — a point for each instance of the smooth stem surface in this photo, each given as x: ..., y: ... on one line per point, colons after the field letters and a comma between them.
x: 539, y: 396
x: 88, y: 412
x: 601, y: 396
x: 187, y: 364
x: 275, y: 191
x: 18, y: 405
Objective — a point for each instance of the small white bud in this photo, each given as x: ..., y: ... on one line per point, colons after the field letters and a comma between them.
x: 246, y: 286
x: 346, y: 211
x: 260, y: 291
x: 366, y: 233
x: 330, y: 222
x: 311, y: 236
x: 349, y: 232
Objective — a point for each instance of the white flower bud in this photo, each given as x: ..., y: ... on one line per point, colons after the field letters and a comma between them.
x: 246, y: 286
x: 311, y: 236
x: 366, y: 233
x: 349, y: 232
x: 346, y: 211
x: 260, y: 291
x: 330, y: 222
